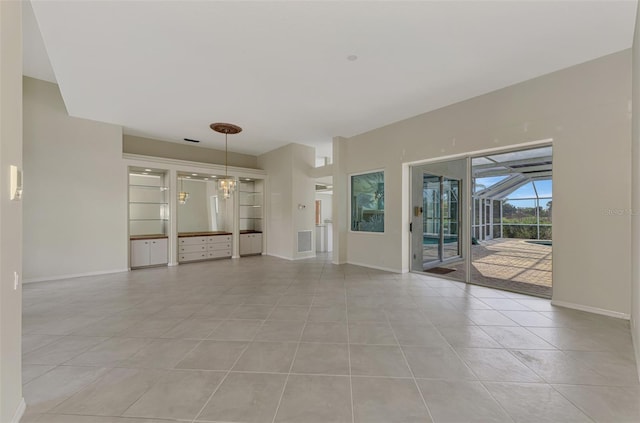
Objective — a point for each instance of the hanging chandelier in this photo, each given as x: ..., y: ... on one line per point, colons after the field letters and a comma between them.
x: 183, y: 196
x: 227, y: 184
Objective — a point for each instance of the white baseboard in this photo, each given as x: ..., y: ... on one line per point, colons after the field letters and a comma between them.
x: 279, y: 256
x: 19, y: 411
x: 635, y: 335
x: 311, y: 255
x: 386, y: 269
x: 590, y: 309
x: 74, y: 275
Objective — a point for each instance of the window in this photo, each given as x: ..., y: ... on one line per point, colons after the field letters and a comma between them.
x: 367, y: 202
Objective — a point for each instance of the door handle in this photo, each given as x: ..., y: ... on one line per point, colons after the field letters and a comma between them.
x: 417, y: 211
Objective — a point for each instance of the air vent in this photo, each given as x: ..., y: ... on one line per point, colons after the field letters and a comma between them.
x: 190, y: 140
x: 304, y: 241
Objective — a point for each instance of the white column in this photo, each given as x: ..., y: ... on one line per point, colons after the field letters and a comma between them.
x: 236, y: 219
x: 340, y: 201
x: 171, y: 182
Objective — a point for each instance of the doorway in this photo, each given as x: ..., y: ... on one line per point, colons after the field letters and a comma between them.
x: 485, y: 219
x: 511, y: 229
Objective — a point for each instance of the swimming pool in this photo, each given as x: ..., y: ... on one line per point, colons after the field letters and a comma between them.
x: 540, y: 242
x: 433, y: 239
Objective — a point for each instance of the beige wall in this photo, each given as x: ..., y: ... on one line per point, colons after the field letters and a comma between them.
x: 303, y: 194
x: 11, y: 402
x: 635, y: 194
x: 289, y: 183
x: 585, y: 110
x: 279, y: 225
x: 75, y: 209
x: 171, y: 150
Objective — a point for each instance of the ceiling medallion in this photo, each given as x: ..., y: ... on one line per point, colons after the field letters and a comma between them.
x: 225, y: 128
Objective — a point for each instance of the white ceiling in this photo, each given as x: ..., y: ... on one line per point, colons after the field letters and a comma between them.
x: 167, y: 69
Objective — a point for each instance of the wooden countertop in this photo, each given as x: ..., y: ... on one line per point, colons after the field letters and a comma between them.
x: 154, y: 236
x: 250, y: 232
x: 209, y: 233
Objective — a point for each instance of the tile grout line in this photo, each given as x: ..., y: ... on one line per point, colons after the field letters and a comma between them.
x: 571, y: 402
x: 232, y: 365
x: 474, y: 373
x: 200, y: 341
x: 406, y: 362
x: 293, y: 360
x: 346, y: 305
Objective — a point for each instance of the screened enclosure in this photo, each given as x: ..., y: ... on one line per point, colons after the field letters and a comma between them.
x: 512, y: 195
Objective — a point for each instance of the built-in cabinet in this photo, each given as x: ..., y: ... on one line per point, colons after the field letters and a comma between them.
x: 148, y: 218
x: 206, y: 221
x: 148, y: 252
x: 251, y: 197
x: 204, y: 247
x: 148, y: 204
x: 250, y: 243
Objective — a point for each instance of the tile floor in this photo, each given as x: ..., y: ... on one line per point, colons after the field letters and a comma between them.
x: 267, y: 340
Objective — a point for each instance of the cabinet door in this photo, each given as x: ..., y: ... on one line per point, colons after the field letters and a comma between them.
x: 158, y: 251
x: 245, y: 244
x: 139, y: 253
x: 256, y: 244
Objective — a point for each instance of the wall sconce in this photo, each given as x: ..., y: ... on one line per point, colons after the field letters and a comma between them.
x: 15, y: 186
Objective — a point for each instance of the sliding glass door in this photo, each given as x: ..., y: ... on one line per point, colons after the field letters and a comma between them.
x: 437, y: 228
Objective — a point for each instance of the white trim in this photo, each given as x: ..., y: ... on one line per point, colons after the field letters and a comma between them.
x: 386, y: 269
x: 233, y: 170
x: 74, y: 275
x: 19, y: 411
x: 311, y: 255
x: 636, y: 343
x: 595, y: 310
x: 280, y: 257
x: 503, y: 149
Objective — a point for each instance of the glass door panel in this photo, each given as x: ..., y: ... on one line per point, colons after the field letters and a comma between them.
x: 437, y: 222
x: 431, y: 227
x: 451, y: 218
